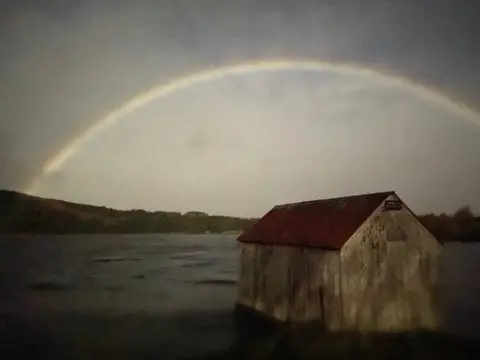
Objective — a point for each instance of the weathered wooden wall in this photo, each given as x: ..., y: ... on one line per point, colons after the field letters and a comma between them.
x: 291, y: 283
x: 385, y: 278
x: 390, y: 273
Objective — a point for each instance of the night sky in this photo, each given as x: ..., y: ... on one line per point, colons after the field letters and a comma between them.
x: 241, y: 144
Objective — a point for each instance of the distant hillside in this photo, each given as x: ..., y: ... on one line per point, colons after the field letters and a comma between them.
x: 462, y: 226
x: 21, y: 213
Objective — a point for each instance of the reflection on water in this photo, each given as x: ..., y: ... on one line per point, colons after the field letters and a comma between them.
x: 163, y: 277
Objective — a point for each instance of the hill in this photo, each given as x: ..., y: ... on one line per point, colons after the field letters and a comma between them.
x: 462, y: 226
x: 21, y: 213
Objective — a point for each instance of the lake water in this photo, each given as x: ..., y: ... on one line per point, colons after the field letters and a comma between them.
x: 165, y: 295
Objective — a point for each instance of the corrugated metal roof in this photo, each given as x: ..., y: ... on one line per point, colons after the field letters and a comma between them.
x: 325, y: 223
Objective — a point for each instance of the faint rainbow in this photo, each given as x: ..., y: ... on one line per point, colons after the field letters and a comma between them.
x: 55, y: 162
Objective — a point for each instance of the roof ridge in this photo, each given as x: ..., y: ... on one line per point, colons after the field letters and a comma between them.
x: 386, y: 193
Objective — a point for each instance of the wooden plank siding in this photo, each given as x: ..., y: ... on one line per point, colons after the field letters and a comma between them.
x: 390, y: 268
x: 291, y: 283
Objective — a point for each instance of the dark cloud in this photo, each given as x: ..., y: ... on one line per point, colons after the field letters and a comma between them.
x: 15, y: 172
x: 56, y: 178
x: 198, y: 141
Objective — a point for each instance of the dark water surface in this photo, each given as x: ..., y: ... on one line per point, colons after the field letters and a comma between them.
x: 156, y: 296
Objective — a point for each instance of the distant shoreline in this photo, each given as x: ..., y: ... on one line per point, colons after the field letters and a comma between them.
x: 25, y: 214
x: 26, y: 234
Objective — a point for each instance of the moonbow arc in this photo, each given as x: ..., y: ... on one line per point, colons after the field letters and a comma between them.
x: 55, y: 162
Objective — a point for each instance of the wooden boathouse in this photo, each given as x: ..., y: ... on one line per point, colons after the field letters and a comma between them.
x: 363, y: 263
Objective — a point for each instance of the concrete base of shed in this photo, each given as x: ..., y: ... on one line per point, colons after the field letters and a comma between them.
x: 253, y: 322
x: 250, y: 321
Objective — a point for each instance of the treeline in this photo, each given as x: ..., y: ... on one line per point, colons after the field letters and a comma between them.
x: 462, y: 226
x: 20, y: 213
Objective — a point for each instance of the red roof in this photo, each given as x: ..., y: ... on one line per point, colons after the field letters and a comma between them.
x: 321, y: 223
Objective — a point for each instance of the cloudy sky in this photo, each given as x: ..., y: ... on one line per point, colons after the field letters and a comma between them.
x: 241, y: 144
